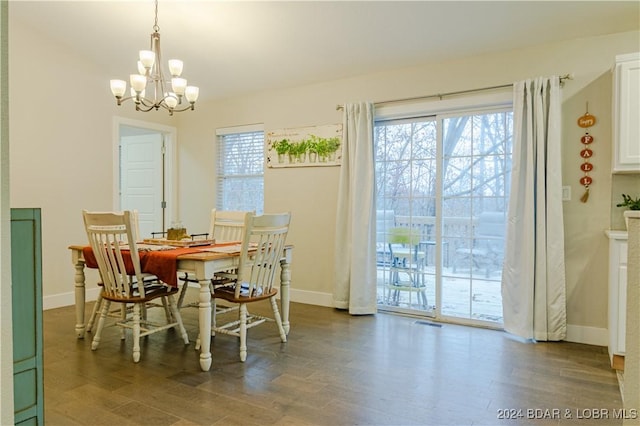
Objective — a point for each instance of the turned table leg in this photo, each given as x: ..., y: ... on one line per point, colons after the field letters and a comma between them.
x: 285, y: 284
x: 80, y: 298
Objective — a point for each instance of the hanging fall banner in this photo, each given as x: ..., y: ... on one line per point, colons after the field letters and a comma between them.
x: 586, y: 121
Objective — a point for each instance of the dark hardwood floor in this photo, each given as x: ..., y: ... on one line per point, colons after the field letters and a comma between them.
x: 335, y: 369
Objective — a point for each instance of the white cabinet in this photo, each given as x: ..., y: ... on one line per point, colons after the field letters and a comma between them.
x: 617, y: 292
x: 626, y: 113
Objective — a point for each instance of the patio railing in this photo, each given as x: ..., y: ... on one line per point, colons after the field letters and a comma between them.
x: 456, y: 231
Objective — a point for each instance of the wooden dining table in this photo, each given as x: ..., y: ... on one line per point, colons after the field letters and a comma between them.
x: 201, y: 265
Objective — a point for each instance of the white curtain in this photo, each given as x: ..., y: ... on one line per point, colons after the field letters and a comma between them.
x: 533, y: 279
x: 355, y: 280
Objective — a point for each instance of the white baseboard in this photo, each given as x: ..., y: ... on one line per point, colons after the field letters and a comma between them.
x: 587, y: 335
x: 311, y: 297
x: 67, y: 299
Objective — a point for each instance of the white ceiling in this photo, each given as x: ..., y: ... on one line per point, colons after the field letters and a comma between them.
x: 235, y: 47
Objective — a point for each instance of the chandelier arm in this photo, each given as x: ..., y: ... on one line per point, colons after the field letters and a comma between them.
x: 191, y: 107
x: 121, y: 99
x: 147, y: 102
x: 145, y: 105
x: 148, y: 107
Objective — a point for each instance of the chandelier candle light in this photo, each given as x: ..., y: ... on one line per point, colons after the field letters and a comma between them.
x: 150, y: 74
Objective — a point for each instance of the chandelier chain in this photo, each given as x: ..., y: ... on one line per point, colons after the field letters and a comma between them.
x: 156, y: 28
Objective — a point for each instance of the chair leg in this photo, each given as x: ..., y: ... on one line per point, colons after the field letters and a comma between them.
x: 167, y: 310
x: 213, y: 316
x: 136, y: 332
x: 176, y: 314
x: 243, y: 332
x: 123, y: 318
x: 94, y: 313
x: 422, y: 294
x: 101, y: 321
x: 183, y: 292
x: 276, y: 316
x: 143, y: 311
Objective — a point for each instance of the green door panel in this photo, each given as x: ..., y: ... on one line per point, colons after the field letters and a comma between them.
x: 26, y: 291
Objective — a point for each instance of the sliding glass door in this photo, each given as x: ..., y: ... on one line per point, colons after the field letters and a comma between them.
x: 406, y: 201
x: 442, y: 186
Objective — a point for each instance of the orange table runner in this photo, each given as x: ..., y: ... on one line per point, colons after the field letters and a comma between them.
x: 161, y: 263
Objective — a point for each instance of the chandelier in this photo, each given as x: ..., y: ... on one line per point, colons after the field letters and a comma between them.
x: 148, y: 87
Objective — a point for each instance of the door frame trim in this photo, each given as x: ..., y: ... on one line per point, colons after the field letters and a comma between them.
x: 171, y: 179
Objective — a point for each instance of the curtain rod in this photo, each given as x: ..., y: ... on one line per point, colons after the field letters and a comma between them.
x: 460, y: 92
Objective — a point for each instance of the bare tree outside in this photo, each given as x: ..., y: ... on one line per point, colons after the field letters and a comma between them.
x: 475, y: 164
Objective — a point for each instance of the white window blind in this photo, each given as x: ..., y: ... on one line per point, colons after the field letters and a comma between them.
x: 240, y: 171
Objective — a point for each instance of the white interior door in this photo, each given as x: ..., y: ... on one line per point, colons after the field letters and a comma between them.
x: 142, y: 180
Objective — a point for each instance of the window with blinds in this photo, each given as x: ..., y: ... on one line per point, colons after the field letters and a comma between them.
x: 240, y: 171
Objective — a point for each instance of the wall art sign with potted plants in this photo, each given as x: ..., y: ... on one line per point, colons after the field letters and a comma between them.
x: 305, y: 146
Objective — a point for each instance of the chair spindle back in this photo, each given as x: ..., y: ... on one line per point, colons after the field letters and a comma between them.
x: 110, y: 234
x: 261, y: 251
x: 227, y: 225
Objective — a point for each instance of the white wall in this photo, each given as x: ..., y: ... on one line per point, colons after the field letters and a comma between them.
x: 61, y: 153
x: 310, y: 193
x: 61, y: 144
